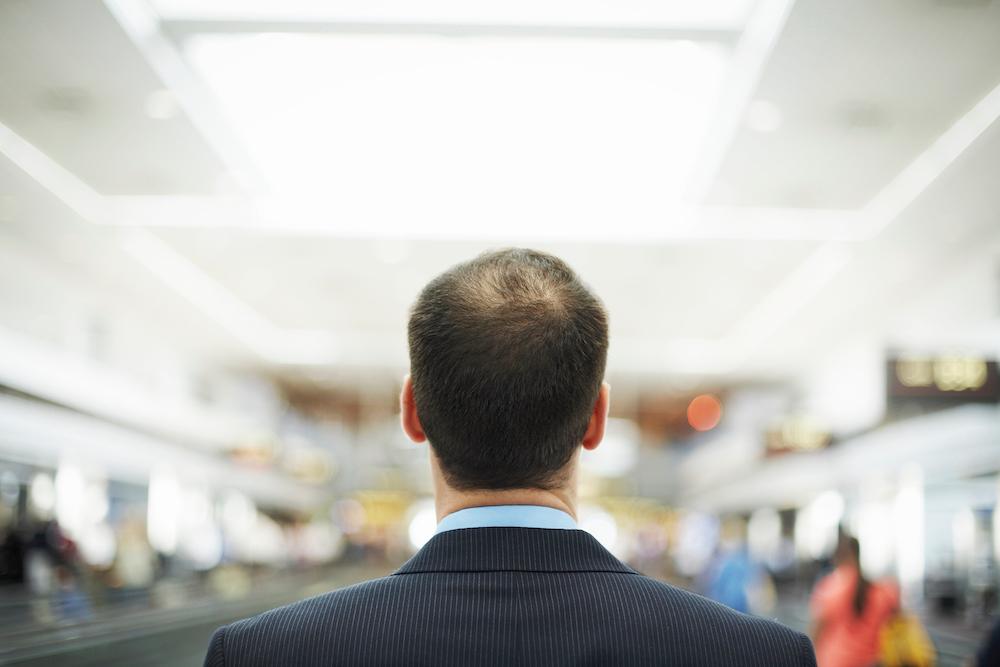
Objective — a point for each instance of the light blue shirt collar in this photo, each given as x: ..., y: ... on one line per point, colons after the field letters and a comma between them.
x: 514, y: 516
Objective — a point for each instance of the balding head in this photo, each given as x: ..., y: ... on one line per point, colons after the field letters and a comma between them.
x: 507, y: 355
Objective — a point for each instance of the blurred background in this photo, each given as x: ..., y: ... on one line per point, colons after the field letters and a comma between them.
x: 214, y: 216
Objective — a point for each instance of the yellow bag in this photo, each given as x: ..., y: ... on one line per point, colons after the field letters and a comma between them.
x: 904, y: 643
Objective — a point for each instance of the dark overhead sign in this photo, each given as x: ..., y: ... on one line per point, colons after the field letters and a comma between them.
x: 946, y: 377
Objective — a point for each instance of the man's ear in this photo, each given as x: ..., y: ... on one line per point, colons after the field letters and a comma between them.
x: 408, y: 413
x: 598, y: 418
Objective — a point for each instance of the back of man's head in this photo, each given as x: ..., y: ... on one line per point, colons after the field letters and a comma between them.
x: 507, y: 356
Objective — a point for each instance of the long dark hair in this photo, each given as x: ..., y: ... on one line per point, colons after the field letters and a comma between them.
x: 851, y: 553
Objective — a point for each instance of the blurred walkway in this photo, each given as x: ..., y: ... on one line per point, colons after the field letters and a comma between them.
x: 127, y: 634
x: 133, y: 633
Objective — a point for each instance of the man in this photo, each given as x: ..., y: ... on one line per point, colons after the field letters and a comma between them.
x: 507, y: 356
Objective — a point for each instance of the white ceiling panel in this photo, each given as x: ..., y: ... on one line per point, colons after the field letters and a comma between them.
x: 73, y: 85
x: 859, y: 89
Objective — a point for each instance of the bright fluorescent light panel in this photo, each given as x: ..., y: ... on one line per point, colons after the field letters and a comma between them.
x: 723, y: 14
x: 405, y: 134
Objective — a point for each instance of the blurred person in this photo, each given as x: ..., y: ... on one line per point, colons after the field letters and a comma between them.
x: 12, y: 557
x: 733, y: 578
x: 849, y: 612
x: 41, y: 557
x: 71, y: 604
x: 507, y: 359
x: 135, y: 561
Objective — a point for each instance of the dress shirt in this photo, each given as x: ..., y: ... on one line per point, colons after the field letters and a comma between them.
x: 508, y: 516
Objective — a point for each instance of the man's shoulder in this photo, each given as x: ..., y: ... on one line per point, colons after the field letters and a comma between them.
x: 702, y: 616
x: 319, y: 609
x: 346, y: 619
x: 279, y: 635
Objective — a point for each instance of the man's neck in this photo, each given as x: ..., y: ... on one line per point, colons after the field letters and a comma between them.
x: 448, y: 500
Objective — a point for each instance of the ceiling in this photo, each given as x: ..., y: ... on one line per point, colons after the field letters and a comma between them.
x: 746, y: 189
x: 863, y: 87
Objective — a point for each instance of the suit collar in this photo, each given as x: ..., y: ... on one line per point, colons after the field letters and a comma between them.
x: 513, y: 550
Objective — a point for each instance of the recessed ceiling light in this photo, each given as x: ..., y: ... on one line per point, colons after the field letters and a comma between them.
x: 67, y: 100
x: 863, y: 115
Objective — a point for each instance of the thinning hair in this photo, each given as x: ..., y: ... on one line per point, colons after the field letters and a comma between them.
x: 507, y: 356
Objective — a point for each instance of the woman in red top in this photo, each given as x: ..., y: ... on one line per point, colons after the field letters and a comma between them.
x: 849, y: 612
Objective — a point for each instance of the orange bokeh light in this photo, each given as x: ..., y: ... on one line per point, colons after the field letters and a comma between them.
x: 704, y: 412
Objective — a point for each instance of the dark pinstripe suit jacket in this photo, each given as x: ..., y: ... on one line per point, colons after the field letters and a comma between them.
x: 509, y: 596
